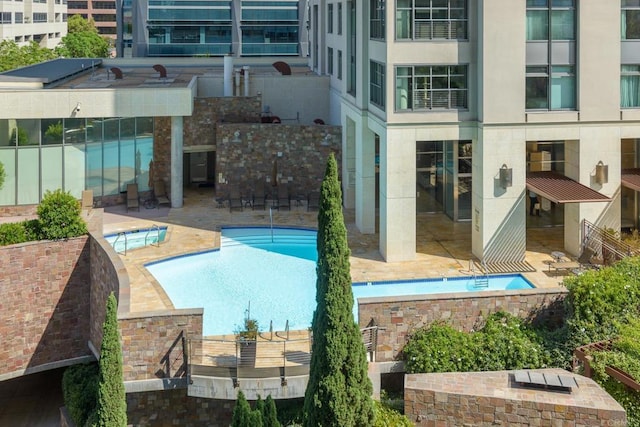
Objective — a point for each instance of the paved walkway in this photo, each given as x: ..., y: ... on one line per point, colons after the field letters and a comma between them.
x: 443, y: 248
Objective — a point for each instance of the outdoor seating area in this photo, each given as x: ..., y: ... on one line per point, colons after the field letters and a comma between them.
x: 282, y: 197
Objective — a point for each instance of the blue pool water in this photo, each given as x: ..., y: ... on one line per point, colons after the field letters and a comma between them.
x: 136, y: 238
x: 275, y: 277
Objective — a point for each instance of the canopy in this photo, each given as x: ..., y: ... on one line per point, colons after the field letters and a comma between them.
x: 561, y: 189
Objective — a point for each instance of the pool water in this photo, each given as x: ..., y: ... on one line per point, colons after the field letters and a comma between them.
x: 136, y: 238
x: 272, y: 278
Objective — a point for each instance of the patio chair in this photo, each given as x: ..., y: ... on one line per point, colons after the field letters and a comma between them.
x: 87, y: 200
x: 259, y: 197
x: 235, y: 200
x: 133, y: 198
x: 160, y: 192
x: 284, y: 198
x: 313, y: 201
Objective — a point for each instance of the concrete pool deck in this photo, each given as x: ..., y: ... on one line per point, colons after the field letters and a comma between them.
x: 443, y: 249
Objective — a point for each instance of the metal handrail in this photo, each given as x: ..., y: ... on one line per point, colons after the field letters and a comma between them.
x: 153, y: 227
x: 122, y: 233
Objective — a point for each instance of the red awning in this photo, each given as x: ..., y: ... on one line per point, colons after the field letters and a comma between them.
x: 560, y: 189
x: 631, y: 178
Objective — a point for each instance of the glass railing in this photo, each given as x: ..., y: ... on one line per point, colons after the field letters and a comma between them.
x: 206, y: 49
x: 266, y: 49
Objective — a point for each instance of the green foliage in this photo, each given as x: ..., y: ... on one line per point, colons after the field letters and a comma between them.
x: 3, y: 175
x: 505, y: 342
x: 14, y: 56
x: 270, y: 414
x: 339, y: 390
x: 80, y: 391
x: 290, y: 411
x: 60, y: 218
x: 22, y: 135
x: 112, y: 406
x: 389, y: 417
x: 250, y: 329
x: 53, y: 134
x: 82, y: 40
x: 19, y: 232
x: 242, y: 416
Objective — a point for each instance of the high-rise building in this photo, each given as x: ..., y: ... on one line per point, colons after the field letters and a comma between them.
x: 465, y: 107
x: 42, y: 21
x: 103, y: 13
x: 212, y: 28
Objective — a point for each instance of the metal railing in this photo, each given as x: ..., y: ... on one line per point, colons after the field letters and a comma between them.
x: 121, y: 234
x: 606, y: 244
x: 155, y: 228
x: 480, y: 280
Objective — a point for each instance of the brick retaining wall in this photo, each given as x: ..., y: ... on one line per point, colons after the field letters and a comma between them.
x: 21, y: 210
x: 44, y: 310
x: 399, y: 316
x: 175, y: 408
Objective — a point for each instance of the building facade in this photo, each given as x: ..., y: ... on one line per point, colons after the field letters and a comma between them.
x: 467, y: 107
x: 212, y: 28
x: 42, y: 21
x: 103, y: 13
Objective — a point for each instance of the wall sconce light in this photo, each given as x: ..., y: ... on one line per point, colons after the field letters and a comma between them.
x: 78, y: 107
x: 236, y: 136
x: 326, y: 140
x: 506, y: 176
x: 602, y: 173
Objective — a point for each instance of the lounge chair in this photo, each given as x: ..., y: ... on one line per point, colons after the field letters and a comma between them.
x: 235, y: 200
x: 284, y: 198
x: 313, y: 201
x: 133, y: 198
x: 87, y: 200
x: 160, y: 193
x: 259, y: 199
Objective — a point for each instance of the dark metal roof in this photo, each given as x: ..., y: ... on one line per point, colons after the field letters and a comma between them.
x: 631, y: 178
x: 561, y: 189
x: 55, y: 70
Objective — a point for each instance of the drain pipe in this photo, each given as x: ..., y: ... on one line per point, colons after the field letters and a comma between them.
x: 245, y: 71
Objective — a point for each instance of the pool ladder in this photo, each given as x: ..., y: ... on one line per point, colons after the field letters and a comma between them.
x: 480, y: 279
x: 157, y: 230
x: 121, y: 234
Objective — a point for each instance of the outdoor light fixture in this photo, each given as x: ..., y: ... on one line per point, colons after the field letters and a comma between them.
x: 602, y: 173
x: 506, y: 176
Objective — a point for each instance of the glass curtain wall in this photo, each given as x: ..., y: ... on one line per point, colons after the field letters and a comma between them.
x: 630, y: 200
x: 269, y: 27
x: 443, y: 178
x: 102, y: 155
x: 546, y: 156
x: 630, y: 86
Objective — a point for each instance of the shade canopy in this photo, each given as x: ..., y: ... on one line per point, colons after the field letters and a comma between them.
x: 630, y: 178
x: 561, y: 189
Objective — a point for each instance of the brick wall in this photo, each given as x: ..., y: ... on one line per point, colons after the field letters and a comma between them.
x: 491, y: 398
x: 399, y: 316
x: 175, y: 408
x: 247, y: 153
x: 44, y: 310
x: 108, y: 274
x: 22, y: 210
x: 152, y: 345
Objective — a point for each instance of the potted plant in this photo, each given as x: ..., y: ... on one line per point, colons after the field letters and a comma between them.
x: 247, y: 336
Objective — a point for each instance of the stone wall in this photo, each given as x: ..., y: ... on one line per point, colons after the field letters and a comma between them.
x: 153, y: 343
x: 44, y: 309
x: 21, y: 210
x: 175, y: 408
x: 397, y: 317
x: 108, y: 274
x: 247, y: 155
x: 492, y: 398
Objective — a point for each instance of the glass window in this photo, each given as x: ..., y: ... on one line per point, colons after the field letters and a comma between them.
x: 28, y: 175
x: 339, y: 65
x: 555, y: 93
x: 376, y: 20
x: 537, y: 92
x: 431, y: 87
x: 630, y: 86
x: 330, y: 18
x: 339, y: 18
x: 74, y: 169
x: 376, y: 85
x: 51, y: 172
x: 144, y: 126
x: 51, y: 131
x: 563, y: 88
x: 557, y: 17
x: 330, y: 60
x: 630, y: 20
x: 431, y: 19
x: 8, y: 190
x: 26, y: 132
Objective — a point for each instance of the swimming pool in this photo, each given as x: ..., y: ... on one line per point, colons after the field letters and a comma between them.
x: 136, y: 238
x: 274, y: 276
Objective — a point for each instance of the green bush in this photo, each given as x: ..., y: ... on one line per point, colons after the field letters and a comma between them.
x: 505, y: 342
x: 60, y: 216
x: 12, y: 233
x: 389, y: 417
x: 80, y: 391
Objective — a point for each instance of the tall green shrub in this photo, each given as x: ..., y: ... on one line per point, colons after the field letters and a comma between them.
x: 112, y: 405
x: 241, y: 412
x: 60, y: 216
x: 270, y: 414
x: 339, y: 390
x: 80, y: 391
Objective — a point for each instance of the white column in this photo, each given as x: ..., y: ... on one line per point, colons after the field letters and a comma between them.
x: 365, y: 180
x: 228, y: 75
x: 348, y: 162
x: 245, y: 70
x: 176, y: 161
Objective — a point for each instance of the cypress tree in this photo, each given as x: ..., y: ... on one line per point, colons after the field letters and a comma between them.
x: 270, y: 414
x: 112, y: 405
x: 242, y: 416
x: 339, y: 390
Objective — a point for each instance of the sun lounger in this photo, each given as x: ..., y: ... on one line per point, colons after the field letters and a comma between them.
x: 259, y: 199
x: 133, y: 198
x: 284, y: 199
x: 235, y: 200
x: 563, y: 266
x: 160, y: 192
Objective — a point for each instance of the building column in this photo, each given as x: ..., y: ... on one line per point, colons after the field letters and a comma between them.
x: 176, y: 161
x: 365, y: 180
x: 348, y: 163
x: 398, y: 196
x: 498, y: 231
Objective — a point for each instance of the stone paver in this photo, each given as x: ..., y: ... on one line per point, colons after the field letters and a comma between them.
x: 444, y: 247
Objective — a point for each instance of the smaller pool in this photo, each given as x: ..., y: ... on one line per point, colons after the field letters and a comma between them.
x: 136, y: 238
